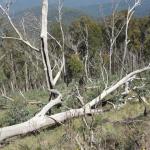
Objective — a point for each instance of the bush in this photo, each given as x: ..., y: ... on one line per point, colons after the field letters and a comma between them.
x: 16, y: 113
x: 75, y: 66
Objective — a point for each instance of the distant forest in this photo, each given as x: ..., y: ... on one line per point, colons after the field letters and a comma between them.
x: 26, y: 74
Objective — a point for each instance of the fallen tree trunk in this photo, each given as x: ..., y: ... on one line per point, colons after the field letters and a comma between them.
x: 112, y: 88
x: 41, y: 119
x: 38, y: 122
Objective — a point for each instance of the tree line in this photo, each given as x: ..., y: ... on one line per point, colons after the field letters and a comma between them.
x: 87, y: 46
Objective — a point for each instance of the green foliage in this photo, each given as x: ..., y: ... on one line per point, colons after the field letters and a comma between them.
x: 139, y: 36
x: 135, y: 36
x: 3, y: 78
x: 75, y: 66
x: 83, y: 28
x: 16, y: 113
x: 147, y: 44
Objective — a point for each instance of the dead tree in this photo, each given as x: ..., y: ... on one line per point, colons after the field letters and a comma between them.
x: 130, y: 13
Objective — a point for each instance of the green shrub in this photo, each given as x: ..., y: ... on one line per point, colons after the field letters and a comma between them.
x: 16, y: 113
x: 75, y: 66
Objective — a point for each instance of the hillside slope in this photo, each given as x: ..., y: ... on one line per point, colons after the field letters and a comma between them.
x: 20, y: 5
x: 69, y: 14
x: 106, y: 9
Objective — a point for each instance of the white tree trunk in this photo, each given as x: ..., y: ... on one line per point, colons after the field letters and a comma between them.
x: 44, y: 46
x: 51, y: 81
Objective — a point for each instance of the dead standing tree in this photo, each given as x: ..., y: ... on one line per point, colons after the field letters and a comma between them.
x: 42, y: 119
x: 44, y: 50
x: 130, y: 13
